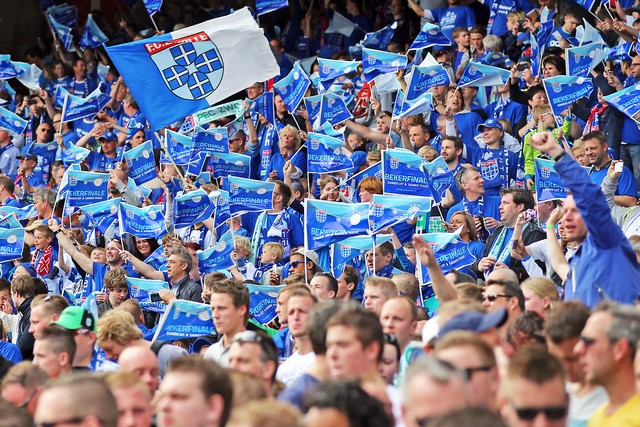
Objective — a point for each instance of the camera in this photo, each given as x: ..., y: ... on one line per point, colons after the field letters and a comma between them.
x: 531, y: 215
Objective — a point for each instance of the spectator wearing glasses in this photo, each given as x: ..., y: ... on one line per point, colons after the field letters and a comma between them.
x: 238, y: 142
x: 607, y: 347
x: 471, y: 354
x: 256, y: 354
x: 535, y: 390
x: 504, y: 293
x: 297, y: 263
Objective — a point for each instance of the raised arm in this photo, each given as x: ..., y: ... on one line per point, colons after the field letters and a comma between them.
x: 144, y: 269
x: 443, y: 289
x: 83, y: 261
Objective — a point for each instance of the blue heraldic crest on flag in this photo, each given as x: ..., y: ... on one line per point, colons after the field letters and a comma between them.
x: 325, y: 154
x: 192, y: 207
x: 213, y: 140
x: 234, y: 164
x: 333, y: 110
x: 402, y: 173
x: 381, y: 38
x: 93, y: 35
x: 11, y: 122
x: 190, y: 66
x: 217, y: 258
x: 143, y: 223
x: 344, y: 251
x: 9, y: 221
x: 249, y: 195
x: 440, y: 177
x: 102, y: 214
x: 262, y: 305
x: 627, y: 101
x: 430, y: 35
x: 482, y: 75
x: 331, y: 69
x: 222, y: 208
x: 330, y: 222
x: 11, y: 243
x: 26, y: 212
x: 141, y: 162
x: 75, y: 107
x: 549, y: 186
x: 582, y: 60
x: 376, y: 62
x: 86, y: 188
x: 139, y: 289
x: 292, y: 87
x: 185, y: 319
x: 178, y: 147
x: 563, y: 91
x: 388, y: 210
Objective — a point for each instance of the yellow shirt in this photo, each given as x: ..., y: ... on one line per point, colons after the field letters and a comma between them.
x: 627, y: 416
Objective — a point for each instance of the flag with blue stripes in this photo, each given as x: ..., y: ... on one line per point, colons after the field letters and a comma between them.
x: 381, y: 38
x: 402, y: 173
x: 344, y: 251
x: 178, y: 146
x: 234, y: 164
x: 627, y: 101
x: 440, y: 178
x: 262, y: 302
x: 11, y: 243
x: 292, y: 87
x: 192, y: 207
x: 331, y: 69
x: 249, y: 195
x: 177, y: 74
x: 64, y: 14
x: 582, y: 60
x: 481, y: 75
x: 74, y: 154
x: 424, y: 78
x: 86, y: 188
x: 140, y: 290
x: 563, y: 91
x: 75, y: 107
x: 388, y: 210
x: 333, y: 110
x: 218, y: 257
x: 141, y: 163
x: 7, y: 70
x: 329, y: 222
x: 208, y: 141
x: 9, y: 221
x: 62, y: 32
x: 102, y: 214
x: 221, y: 200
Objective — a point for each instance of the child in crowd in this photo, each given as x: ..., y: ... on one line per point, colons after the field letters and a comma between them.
x: 271, y: 255
x: 45, y: 254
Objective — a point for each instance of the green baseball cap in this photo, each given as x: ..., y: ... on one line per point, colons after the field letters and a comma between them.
x: 74, y: 318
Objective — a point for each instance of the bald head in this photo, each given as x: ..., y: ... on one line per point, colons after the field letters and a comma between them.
x: 503, y: 275
x: 142, y: 362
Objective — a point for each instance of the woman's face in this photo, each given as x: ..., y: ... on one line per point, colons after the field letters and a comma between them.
x: 550, y: 70
x: 143, y: 247
x: 538, y: 99
x: 535, y: 303
x: 491, y: 135
x: 365, y: 196
x: 287, y: 141
x: 458, y: 221
x: 331, y: 192
x: 389, y: 365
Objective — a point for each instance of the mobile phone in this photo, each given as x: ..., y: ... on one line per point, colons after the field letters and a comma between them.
x: 523, y: 66
x: 155, y: 297
x: 618, y: 167
x: 514, y: 244
x: 521, y: 24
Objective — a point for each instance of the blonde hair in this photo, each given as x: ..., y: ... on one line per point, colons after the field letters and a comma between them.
x: 118, y: 326
x: 543, y: 287
x: 428, y: 152
x: 274, y: 249
x: 539, y: 110
x: 290, y: 129
x: 243, y: 244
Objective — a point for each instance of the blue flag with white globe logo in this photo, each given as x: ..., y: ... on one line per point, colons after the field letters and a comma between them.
x: 312, y: 105
x: 331, y: 69
x: 330, y: 222
x: 102, y: 214
x: 192, y: 207
x: 174, y: 75
x: 178, y: 147
x: 376, y: 62
x: 325, y: 154
x: 292, y: 87
x: 75, y: 107
x: 143, y: 223
x: 563, y: 91
x: 11, y: 122
x: 549, y: 186
x: 157, y: 259
x: 86, y: 188
x: 430, y: 35
x: 582, y: 60
x: 627, y: 101
x: 152, y: 6
x: 234, y: 164
x: 482, y: 75
x: 249, y: 195
x: 424, y: 78
x: 11, y: 243
x: 402, y: 173
x: 381, y: 38
x: 184, y: 319
x: 221, y: 201
x: 344, y: 251
x: 333, y: 110
x: 262, y: 302
x: 93, y: 35
x: 212, y: 140
x: 141, y: 162
x: 440, y: 177
x: 263, y: 105
x: 218, y: 257
x: 388, y: 210
x: 74, y: 154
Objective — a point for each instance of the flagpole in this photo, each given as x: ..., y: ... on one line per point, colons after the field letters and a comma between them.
x: 154, y: 24
x: 164, y: 148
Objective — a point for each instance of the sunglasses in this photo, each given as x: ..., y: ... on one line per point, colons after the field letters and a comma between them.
x: 550, y: 412
x: 493, y: 297
x: 247, y: 336
x: 294, y: 264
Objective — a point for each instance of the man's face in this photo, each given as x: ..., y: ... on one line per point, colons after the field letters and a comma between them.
x: 574, y: 227
x: 245, y: 357
x: 19, y: 396
x: 595, y: 350
x: 226, y: 317
x: 343, y: 287
x: 374, y: 299
x: 281, y: 108
x: 463, y: 39
x: 236, y: 144
x: 635, y: 67
x: 108, y: 147
x: 255, y: 90
x: 483, y: 381
x: 395, y: 317
x: 320, y: 288
x: 118, y: 295
x: 44, y: 132
x: 176, y: 267
x: 417, y: 136
x: 137, y: 139
x: 299, y: 308
x: 596, y: 152
x: 5, y: 297
x: 282, y: 304
x: 181, y: 402
x: 474, y: 183
x: 381, y: 260
x: 476, y: 40
x: 46, y: 359
x: 565, y: 351
x: 40, y: 319
x: 144, y: 367
x: 113, y: 253
x: 570, y: 23
x: 346, y: 356
x: 296, y: 264
x: 448, y: 151
x: 526, y: 394
x: 42, y: 207
x: 134, y: 409
x: 509, y: 210
x: 80, y: 68
x: 494, y: 292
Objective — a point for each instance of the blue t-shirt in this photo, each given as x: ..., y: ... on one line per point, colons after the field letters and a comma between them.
x: 451, y: 18
x: 557, y: 34
x: 499, y: 9
x: 626, y: 183
x: 488, y: 208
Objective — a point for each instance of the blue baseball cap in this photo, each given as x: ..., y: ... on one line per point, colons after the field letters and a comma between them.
x: 109, y: 136
x: 490, y: 123
x: 474, y: 321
